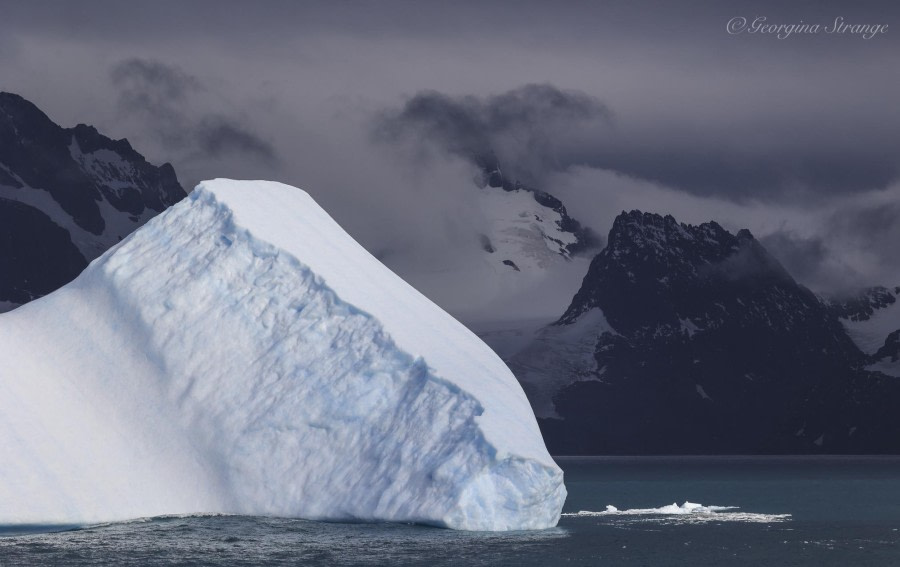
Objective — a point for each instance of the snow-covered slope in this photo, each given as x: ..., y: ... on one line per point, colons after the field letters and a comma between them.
x: 240, y: 353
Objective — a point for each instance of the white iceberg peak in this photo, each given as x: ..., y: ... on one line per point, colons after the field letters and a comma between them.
x: 242, y: 354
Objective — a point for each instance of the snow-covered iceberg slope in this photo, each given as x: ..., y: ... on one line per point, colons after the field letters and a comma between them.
x: 241, y: 353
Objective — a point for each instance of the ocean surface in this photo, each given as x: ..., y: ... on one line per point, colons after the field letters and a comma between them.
x: 754, y: 511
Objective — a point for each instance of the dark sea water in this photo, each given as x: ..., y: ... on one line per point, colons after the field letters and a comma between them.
x: 842, y: 511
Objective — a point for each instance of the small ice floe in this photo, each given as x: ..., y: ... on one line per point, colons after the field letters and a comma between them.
x: 689, y: 512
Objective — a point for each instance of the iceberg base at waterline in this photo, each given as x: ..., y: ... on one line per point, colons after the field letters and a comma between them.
x: 242, y: 354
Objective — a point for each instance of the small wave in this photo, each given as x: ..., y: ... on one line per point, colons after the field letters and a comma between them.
x: 689, y: 512
x: 151, y: 519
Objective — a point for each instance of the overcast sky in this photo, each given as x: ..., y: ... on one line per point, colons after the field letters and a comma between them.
x: 376, y: 108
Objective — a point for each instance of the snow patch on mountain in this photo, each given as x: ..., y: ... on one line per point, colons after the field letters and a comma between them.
x: 242, y: 354
x: 689, y: 327
x: 104, y: 164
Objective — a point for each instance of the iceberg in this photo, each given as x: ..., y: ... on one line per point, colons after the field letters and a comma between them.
x: 242, y: 354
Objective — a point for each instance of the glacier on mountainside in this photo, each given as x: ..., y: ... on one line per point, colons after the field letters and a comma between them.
x: 242, y: 354
x: 558, y: 355
x: 876, y: 333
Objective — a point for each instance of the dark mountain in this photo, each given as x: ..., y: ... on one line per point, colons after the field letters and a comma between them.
x: 66, y: 196
x: 689, y: 339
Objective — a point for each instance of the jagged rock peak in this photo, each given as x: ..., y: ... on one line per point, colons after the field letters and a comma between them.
x: 654, y: 256
x: 651, y: 229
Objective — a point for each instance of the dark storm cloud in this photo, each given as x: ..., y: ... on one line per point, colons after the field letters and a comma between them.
x: 537, y: 130
x: 519, y: 127
x: 164, y: 95
x: 217, y: 135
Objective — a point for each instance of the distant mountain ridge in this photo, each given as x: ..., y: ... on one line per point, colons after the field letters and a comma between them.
x: 66, y: 196
x: 690, y: 339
